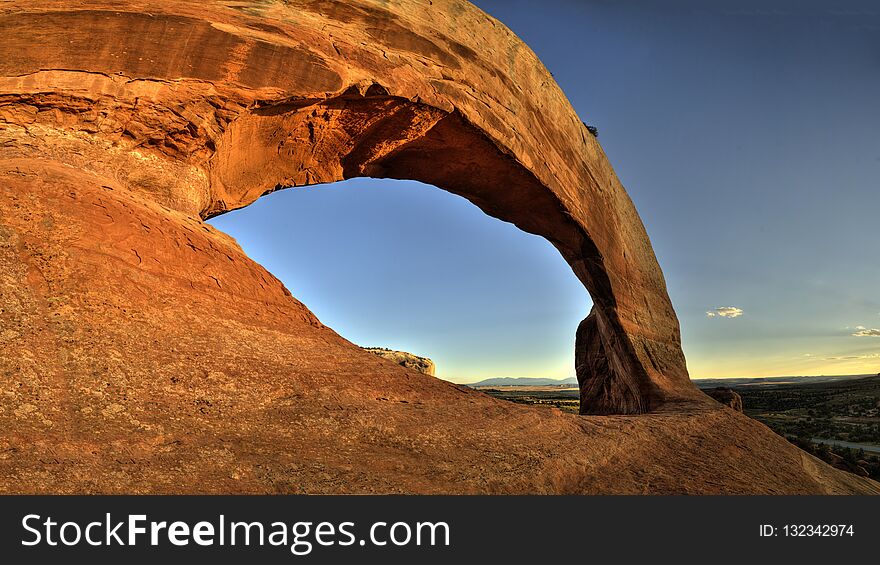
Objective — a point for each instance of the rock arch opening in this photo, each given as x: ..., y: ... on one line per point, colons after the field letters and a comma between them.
x: 403, y: 265
x: 368, y: 133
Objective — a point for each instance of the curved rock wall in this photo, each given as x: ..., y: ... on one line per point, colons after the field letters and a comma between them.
x: 205, y: 106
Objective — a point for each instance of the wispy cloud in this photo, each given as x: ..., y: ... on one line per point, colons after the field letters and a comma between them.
x: 866, y: 332
x: 854, y: 357
x: 725, y: 312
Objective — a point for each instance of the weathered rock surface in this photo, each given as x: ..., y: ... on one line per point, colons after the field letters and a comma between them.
x: 404, y: 359
x: 142, y: 351
x: 726, y: 396
x: 205, y: 106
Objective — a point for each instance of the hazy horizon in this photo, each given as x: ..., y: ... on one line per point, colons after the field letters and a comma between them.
x: 501, y: 377
x: 747, y: 138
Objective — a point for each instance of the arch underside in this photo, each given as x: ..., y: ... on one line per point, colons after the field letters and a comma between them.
x: 255, y: 100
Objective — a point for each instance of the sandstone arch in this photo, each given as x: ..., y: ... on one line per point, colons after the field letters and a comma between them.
x: 204, y: 106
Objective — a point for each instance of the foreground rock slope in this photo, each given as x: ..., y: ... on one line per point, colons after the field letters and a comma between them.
x: 142, y: 351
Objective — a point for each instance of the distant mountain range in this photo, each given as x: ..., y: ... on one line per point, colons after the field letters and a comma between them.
x: 757, y: 381
x: 524, y: 381
x: 701, y: 383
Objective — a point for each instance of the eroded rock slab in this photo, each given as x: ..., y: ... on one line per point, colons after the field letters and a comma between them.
x: 405, y: 359
x: 727, y: 396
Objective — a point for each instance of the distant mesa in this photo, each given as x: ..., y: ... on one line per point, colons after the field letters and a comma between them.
x: 404, y: 359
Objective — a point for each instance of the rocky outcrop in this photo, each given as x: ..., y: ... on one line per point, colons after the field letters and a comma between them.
x: 726, y: 396
x: 143, y: 351
x: 404, y: 359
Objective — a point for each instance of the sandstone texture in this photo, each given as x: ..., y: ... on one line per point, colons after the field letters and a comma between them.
x: 404, y: 359
x: 142, y: 351
x: 205, y: 106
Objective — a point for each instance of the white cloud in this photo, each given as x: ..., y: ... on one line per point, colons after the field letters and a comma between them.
x: 866, y: 332
x: 725, y: 312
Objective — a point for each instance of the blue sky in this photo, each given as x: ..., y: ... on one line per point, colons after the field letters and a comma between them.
x: 747, y: 134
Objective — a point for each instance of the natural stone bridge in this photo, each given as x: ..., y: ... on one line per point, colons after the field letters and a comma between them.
x: 206, y: 106
x: 141, y: 351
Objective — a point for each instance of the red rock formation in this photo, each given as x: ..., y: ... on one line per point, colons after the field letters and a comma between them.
x: 144, y: 352
x: 204, y: 107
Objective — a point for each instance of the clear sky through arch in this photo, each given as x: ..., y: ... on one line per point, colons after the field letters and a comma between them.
x: 408, y: 266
